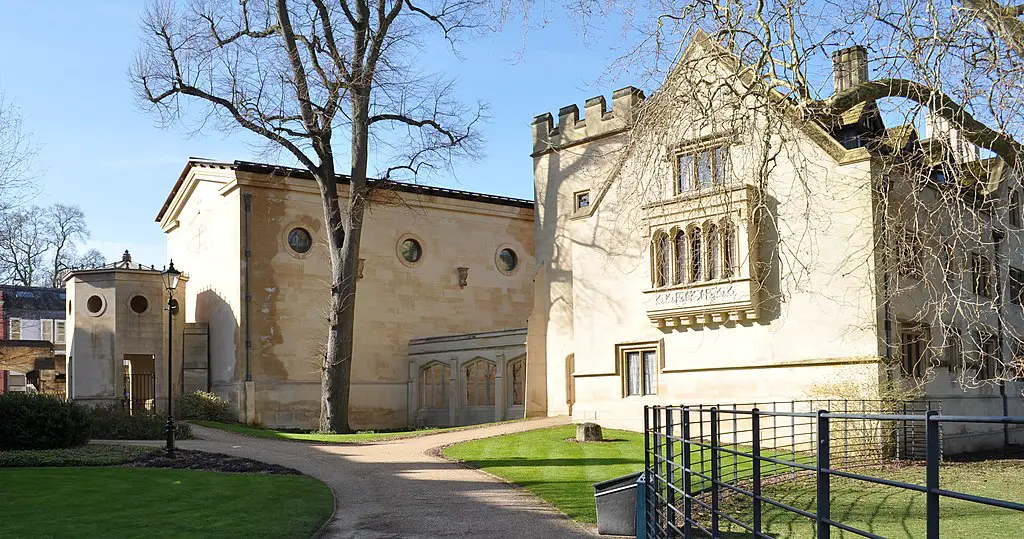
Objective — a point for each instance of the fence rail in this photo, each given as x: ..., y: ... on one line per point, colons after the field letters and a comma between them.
x: 708, y: 466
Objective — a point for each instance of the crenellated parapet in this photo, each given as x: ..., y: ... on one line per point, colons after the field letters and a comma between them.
x: 597, y: 121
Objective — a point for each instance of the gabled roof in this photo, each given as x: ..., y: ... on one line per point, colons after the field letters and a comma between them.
x: 292, y: 172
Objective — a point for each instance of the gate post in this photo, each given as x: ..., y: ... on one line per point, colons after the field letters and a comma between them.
x: 932, y: 457
x: 649, y: 501
x: 714, y: 471
x: 824, y: 512
x: 659, y: 476
x: 687, y: 493
x: 670, y: 493
x: 755, y: 427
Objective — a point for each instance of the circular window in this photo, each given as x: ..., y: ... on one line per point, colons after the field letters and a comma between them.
x: 299, y: 240
x: 174, y: 307
x: 139, y: 304
x: 411, y: 251
x: 508, y: 261
x: 94, y: 304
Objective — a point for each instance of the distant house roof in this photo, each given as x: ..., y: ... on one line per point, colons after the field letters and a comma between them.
x: 32, y: 298
x: 278, y: 170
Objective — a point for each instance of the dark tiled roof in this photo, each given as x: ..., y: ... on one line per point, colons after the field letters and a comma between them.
x: 32, y: 298
x: 278, y: 170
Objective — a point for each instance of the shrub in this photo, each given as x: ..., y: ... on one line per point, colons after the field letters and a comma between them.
x: 203, y: 406
x: 115, y: 423
x: 41, y: 422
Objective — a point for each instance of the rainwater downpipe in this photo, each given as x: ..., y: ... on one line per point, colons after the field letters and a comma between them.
x: 997, y: 239
x: 248, y: 295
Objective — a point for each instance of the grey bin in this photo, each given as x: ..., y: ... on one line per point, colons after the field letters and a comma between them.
x: 616, y: 505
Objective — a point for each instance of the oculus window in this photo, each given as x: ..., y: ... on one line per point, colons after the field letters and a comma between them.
x: 411, y: 251
x: 299, y: 240
x: 139, y: 304
x: 508, y: 261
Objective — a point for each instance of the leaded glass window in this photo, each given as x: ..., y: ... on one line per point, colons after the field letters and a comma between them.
x: 434, y: 386
x: 480, y: 383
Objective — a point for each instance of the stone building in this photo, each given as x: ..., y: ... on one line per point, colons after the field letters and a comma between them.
x: 673, y: 268
x: 433, y: 263
x: 118, y: 340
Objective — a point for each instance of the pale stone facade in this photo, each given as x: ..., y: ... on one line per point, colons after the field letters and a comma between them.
x: 460, y: 279
x: 118, y: 324
x: 672, y: 269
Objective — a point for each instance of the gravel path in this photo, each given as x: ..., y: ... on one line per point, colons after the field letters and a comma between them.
x: 402, y: 489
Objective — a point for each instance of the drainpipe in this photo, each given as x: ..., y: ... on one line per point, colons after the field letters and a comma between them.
x: 997, y: 239
x: 248, y: 295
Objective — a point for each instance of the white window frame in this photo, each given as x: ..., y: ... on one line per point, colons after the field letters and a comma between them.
x: 648, y: 371
x: 60, y: 337
x: 12, y: 334
x: 46, y: 327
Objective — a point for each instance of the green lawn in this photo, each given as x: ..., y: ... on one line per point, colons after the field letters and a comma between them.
x: 559, y: 471
x: 563, y: 472
x: 140, y: 502
x: 356, y: 438
x: 892, y: 512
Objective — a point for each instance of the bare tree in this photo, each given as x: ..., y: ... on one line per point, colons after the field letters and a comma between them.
x: 17, y: 152
x: 38, y: 245
x: 23, y: 246
x: 294, y: 71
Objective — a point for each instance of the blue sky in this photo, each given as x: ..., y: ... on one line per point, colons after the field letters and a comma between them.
x: 64, y: 64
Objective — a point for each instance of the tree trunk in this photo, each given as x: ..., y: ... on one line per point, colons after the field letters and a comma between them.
x: 345, y: 235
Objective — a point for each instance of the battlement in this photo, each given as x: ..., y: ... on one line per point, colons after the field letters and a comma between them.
x: 597, y: 120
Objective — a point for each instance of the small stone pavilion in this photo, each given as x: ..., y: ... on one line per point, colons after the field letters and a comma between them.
x: 118, y: 322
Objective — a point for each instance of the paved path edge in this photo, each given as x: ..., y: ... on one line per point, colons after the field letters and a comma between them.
x: 438, y: 453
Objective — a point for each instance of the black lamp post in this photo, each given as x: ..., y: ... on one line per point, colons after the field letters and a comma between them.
x: 171, y: 277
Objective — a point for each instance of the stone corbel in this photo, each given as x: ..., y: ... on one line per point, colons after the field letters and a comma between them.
x: 359, y: 268
x: 463, y: 277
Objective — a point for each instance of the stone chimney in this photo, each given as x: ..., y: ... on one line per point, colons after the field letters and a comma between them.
x: 849, y: 67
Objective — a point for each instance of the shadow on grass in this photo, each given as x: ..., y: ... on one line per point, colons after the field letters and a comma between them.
x: 531, y: 462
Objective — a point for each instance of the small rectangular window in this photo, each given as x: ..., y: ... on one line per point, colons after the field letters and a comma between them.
x: 640, y: 369
x: 15, y: 329
x: 953, y: 350
x: 685, y: 182
x: 913, y: 347
x: 47, y: 330
x: 988, y: 357
x: 1015, y: 287
x: 721, y: 155
x: 909, y: 256
x: 981, y: 270
x: 59, y: 332
x: 582, y: 200
x: 705, y: 176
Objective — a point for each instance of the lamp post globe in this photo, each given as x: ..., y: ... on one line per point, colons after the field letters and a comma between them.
x: 171, y: 277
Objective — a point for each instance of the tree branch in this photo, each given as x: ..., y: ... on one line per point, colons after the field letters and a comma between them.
x: 1002, y: 144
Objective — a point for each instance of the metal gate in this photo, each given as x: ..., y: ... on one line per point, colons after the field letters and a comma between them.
x: 706, y: 466
x: 139, y: 392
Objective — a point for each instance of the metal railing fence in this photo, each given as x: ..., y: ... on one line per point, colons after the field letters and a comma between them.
x: 707, y: 466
